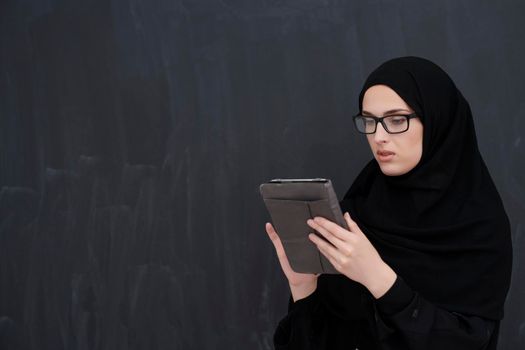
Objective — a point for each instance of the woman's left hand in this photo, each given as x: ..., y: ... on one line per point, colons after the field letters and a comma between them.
x: 352, y: 254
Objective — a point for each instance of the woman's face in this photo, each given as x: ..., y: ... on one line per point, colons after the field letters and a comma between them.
x: 381, y: 100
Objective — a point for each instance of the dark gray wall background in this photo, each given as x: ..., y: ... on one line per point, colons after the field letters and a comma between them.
x: 134, y: 135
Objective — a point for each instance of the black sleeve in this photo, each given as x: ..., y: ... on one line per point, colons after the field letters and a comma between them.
x: 406, y: 320
x: 310, y: 325
x: 297, y: 325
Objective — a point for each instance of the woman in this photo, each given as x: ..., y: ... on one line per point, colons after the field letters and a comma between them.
x: 426, y: 261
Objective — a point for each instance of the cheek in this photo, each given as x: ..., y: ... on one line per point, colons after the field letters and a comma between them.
x: 416, y: 148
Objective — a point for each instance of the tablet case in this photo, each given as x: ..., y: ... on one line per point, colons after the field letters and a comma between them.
x: 290, y: 203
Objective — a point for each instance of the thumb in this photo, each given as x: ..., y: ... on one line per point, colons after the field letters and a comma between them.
x: 352, y: 225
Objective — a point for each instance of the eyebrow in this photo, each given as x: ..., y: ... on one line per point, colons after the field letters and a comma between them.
x: 389, y: 111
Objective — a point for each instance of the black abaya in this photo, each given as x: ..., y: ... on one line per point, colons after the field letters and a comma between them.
x: 399, y: 320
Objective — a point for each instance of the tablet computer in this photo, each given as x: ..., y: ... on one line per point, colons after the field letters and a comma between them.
x: 290, y: 203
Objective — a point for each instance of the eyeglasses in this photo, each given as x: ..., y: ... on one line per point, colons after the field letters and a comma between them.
x: 393, y: 124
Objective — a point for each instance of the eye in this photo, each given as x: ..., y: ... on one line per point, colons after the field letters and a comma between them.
x: 398, y: 120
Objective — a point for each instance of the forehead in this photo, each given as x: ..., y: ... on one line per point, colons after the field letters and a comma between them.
x: 380, y: 98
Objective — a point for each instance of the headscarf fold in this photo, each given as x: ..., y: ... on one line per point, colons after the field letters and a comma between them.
x: 441, y: 226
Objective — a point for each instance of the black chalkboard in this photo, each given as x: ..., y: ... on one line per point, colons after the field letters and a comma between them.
x: 134, y: 136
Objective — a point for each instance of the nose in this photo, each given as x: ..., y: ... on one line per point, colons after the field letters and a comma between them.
x: 380, y: 136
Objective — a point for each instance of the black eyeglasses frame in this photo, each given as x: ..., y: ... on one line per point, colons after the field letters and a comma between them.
x: 380, y: 120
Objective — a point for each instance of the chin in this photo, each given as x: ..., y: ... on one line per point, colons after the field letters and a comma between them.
x: 390, y: 170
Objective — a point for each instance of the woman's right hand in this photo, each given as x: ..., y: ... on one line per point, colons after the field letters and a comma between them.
x: 301, y: 284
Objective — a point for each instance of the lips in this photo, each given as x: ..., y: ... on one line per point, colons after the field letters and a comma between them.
x: 384, y: 153
x: 384, y: 156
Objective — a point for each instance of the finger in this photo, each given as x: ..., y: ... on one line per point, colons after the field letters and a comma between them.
x: 327, y: 234
x: 326, y: 247
x: 271, y: 231
x: 352, y: 225
x: 279, y: 248
x: 319, y: 223
x: 274, y: 237
x: 337, y: 266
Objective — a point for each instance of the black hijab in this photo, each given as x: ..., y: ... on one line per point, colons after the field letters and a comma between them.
x: 442, y: 226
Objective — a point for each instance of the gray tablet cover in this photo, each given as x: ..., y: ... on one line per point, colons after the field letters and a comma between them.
x: 290, y: 203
